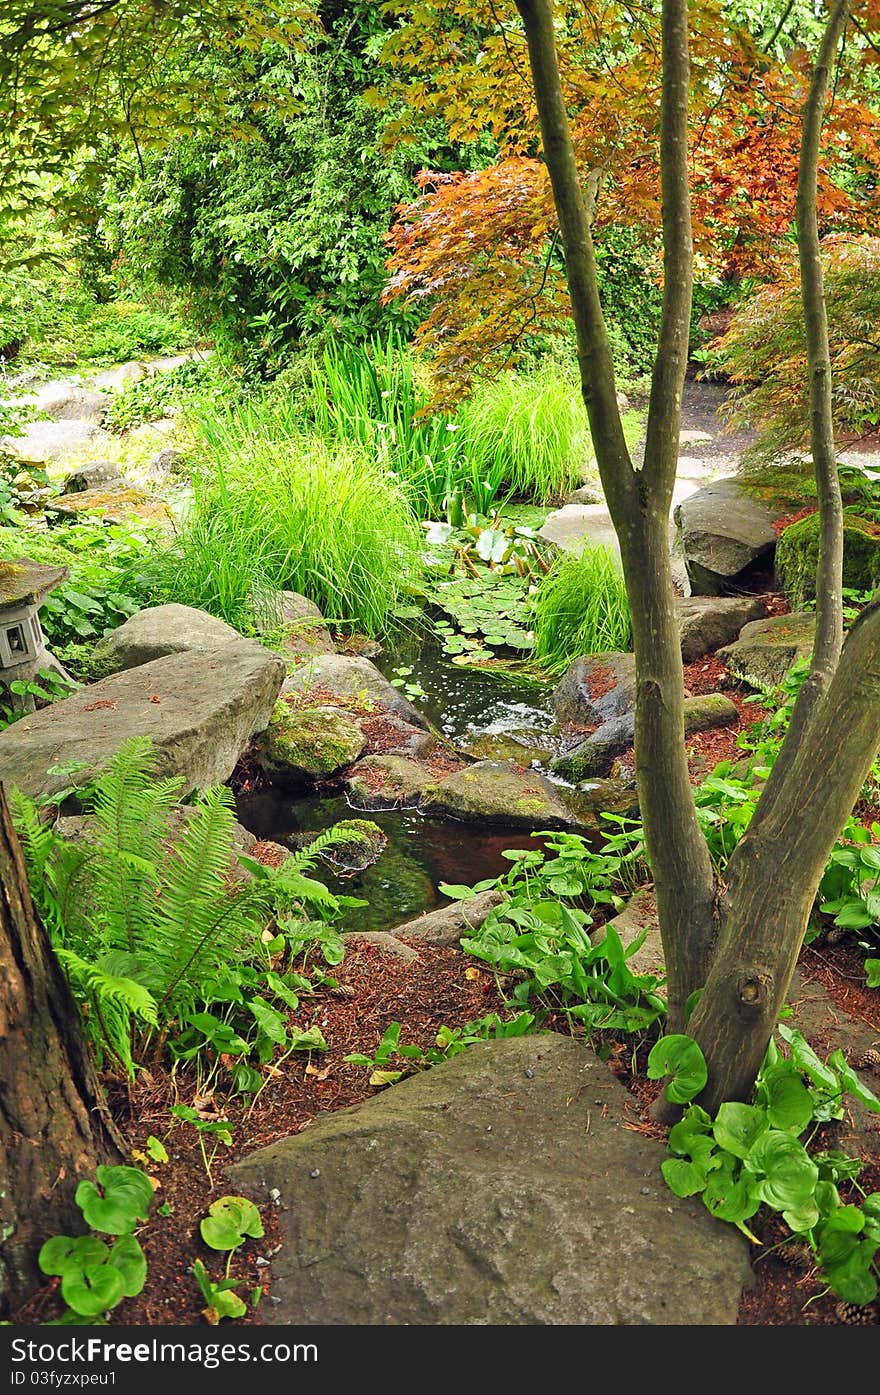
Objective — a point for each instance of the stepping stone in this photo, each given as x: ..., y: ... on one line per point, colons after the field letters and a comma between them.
x: 159, y: 630
x: 500, y: 1188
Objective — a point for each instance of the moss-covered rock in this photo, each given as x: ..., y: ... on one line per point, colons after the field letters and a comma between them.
x: 388, y: 781
x: 495, y: 792
x: 797, y: 553
x: 766, y: 649
x: 308, y: 742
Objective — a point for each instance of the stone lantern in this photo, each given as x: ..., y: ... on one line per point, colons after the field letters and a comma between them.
x: 24, y: 585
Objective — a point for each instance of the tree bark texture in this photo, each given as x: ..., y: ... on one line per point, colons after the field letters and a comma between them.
x: 53, y: 1124
x: 639, y: 500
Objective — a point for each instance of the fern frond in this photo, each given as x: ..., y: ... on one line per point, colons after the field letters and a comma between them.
x: 54, y: 867
x: 201, y: 920
x: 357, y: 834
x: 114, y: 1003
x: 133, y: 818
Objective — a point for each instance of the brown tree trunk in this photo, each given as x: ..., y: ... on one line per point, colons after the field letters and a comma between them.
x: 54, y: 1128
x: 740, y: 952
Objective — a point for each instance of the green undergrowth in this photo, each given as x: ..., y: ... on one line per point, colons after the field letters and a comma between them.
x: 277, y: 510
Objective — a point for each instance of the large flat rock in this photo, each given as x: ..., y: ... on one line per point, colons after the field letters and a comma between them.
x: 199, y: 708
x: 499, y: 1188
x: 766, y: 649
x: 348, y: 677
x: 160, y: 630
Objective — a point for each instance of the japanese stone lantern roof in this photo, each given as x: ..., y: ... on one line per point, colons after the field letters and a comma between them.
x: 27, y: 583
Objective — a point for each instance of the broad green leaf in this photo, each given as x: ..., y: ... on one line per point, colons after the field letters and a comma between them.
x: 684, y: 1178
x: 229, y: 1221
x: 789, y: 1103
x: 93, y: 1291
x: 385, y: 1077
x: 128, y: 1257
x: 126, y: 1199
x: 681, y: 1058
x: 790, y: 1175
x: 64, y: 1254
x: 872, y: 973
x: 806, y: 1059
x: 851, y: 1082
x: 729, y: 1197
x: 737, y: 1126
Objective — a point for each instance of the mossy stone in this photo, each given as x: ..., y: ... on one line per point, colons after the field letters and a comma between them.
x: 309, y: 743
x: 797, y: 554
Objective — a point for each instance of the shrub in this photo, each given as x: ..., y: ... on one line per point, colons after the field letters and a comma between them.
x: 797, y: 554
x: 580, y: 607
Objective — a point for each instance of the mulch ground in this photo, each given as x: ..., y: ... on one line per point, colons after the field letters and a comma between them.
x: 441, y: 987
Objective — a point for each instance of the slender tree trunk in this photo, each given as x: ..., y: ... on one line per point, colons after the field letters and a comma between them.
x: 829, y: 575
x: 53, y: 1124
x: 774, y: 877
x: 639, y: 500
x: 738, y: 942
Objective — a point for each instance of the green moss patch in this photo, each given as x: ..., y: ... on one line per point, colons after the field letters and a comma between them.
x: 797, y: 554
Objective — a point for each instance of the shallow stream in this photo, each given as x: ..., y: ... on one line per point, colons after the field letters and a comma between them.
x: 459, y: 702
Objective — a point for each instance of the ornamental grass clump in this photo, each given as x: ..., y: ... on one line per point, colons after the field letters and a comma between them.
x: 580, y: 607
x: 277, y: 509
x: 531, y: 427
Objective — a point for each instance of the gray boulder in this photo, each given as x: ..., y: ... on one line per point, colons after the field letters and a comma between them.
x: 161, y: 630
x: 724, y: 532
x: 447, y: 924
x: 707, y: 622
x: 596, y: 689
x: 594, y: 756
x: 200, y: 708
x: 766, y: 649
x: 95, y: 474
x: 304, y: 631
x: 500, y: 1188
x: 65, y: 401
x: 490, y: 791
x: 348, y: 677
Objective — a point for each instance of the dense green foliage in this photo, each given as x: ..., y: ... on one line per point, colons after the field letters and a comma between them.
x: 152, y: 923
x: 797, y: 554
x: 277, y: 509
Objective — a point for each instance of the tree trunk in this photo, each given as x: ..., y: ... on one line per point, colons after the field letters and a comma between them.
x: 738, y: 945
x: 54, y: 1128
x: 639, y: 500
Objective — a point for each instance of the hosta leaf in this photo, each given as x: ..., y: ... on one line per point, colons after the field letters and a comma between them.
x: 680, y: 1057
x: 738, y: 1126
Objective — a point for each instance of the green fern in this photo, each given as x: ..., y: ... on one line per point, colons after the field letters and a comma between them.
x: 145, y: 913
x: 114, y: 1004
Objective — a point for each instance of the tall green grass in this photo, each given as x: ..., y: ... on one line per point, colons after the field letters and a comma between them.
x: 580, y: 607
x: 373, y: 396
x: 533, y: 429
x: 276, y: 509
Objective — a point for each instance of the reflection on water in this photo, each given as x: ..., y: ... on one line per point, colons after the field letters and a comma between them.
x: 421, y: 852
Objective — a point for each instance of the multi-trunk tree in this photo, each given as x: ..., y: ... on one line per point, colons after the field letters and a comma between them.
x: 735, y: 938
